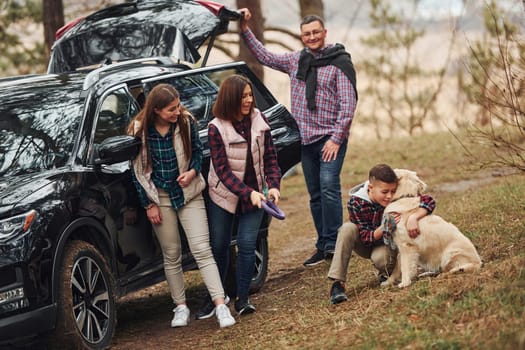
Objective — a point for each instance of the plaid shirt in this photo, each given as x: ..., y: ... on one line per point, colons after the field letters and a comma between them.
x: 243, y: 188
x: 335, y: 98
x: 165, y: 165
x: 368, y: 216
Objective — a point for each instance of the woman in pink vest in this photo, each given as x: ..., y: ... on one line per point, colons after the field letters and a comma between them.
x: 243, y: 172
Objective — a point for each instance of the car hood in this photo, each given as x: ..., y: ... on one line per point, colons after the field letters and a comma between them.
x: 25, y: 189
x: 140, y: 29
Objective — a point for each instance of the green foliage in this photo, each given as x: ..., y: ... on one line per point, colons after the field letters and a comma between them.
x: 18, y: 56
x: 403, y: 93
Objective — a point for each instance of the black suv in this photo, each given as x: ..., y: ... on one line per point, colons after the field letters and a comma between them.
x: 73, y: 238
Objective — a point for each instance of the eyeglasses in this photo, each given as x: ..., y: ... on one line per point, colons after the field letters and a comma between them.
x: 313, y: 32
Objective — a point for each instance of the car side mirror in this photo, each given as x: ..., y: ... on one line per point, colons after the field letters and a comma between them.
x: 117, y: 149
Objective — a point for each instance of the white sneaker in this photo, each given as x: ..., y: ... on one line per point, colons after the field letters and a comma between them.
x: 224, y: 316
x: 181, y: 317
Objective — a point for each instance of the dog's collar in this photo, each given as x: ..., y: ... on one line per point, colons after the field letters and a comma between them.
x: 404, y: 196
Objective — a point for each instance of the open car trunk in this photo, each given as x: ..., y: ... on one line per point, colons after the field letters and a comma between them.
x: 139, y: 29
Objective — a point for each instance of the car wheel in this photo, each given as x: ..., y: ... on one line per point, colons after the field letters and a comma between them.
x: 260, y: 270
x: 86, y: 299
x: 261, y: 264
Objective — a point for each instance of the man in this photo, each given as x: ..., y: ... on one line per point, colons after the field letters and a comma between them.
x: 324, y: 98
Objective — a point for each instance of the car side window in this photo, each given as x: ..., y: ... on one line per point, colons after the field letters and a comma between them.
x: 197, y: 94
x: 115, y: 112
x: 198, y: 91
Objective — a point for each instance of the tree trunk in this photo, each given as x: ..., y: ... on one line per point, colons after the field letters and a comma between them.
x: 53, y: 16
x: 312, y: 7
x: 256, y: 25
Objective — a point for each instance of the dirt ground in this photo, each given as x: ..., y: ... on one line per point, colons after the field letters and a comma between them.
x: 144, y: 317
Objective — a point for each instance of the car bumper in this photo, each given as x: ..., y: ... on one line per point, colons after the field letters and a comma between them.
x: 28, y: 323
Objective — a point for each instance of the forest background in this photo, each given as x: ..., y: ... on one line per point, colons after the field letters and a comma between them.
x: 422, y: 65
x: 442, y: 91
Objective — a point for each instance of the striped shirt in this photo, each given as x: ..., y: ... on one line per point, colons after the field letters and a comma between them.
x: 335, y: 97
x: 165, y: 165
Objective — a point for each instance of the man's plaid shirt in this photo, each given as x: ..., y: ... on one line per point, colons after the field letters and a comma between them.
x: 335, y: 98
x: 368, y: 215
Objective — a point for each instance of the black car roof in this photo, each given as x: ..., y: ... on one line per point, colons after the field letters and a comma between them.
x: 97, y: 79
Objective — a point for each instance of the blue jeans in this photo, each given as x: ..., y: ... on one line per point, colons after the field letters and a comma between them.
x: 323, y: 181
x: 221, y: 224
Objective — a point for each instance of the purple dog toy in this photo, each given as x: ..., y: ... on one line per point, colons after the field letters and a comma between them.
x: 272, y: 209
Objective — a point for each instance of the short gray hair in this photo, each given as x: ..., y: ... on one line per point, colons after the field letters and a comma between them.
x: 312, y: 18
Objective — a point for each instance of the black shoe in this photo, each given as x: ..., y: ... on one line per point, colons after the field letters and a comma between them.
x: 315, y: 259
x: 337, y: 293
x: 244, y: 307
x: 329, y: 254
x: 207, y: 309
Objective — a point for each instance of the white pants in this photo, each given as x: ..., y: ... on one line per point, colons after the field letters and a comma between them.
x: 195, y: 223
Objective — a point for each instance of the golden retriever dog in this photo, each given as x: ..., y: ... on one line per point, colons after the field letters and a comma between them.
x: 440, y: 246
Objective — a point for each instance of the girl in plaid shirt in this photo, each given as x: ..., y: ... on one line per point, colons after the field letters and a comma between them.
x: 167, y: 176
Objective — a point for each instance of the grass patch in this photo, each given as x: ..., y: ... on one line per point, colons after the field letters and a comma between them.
x: 480, y: 311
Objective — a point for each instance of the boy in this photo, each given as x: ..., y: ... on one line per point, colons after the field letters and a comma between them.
x: 364, y: 235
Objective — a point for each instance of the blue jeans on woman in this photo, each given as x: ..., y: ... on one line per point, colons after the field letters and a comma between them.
x: 221, y: 224
x: 323, y: 181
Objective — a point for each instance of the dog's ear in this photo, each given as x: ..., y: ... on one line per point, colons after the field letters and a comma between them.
x: 422, y: 187
x: 409, y: 183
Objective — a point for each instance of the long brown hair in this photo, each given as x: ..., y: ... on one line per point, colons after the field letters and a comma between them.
x: 228, y: 104
x: 158, y: 98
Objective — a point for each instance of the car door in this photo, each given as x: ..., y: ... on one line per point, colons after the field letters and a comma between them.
x: 136, y: 248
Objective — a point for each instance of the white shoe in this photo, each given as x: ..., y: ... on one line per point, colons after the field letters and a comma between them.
x: 224, y: 316
x: 181, y: 317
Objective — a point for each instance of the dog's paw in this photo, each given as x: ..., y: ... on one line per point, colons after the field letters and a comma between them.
x: 386, y: 283
x: 404, y: 284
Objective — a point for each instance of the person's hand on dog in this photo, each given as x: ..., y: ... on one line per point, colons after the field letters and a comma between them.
x: 256, y: 198
x: 413, y: 226
x: 274, y: 195
x: 397, y: 217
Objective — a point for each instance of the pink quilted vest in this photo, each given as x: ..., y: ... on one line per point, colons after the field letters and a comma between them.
x: 236, y: 150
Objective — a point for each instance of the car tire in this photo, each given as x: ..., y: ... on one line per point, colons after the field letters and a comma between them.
x: 260, y: 271
x: 261, y: 264
x: 86, y: 299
